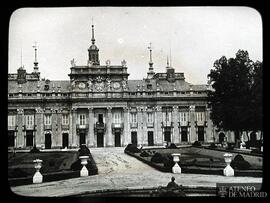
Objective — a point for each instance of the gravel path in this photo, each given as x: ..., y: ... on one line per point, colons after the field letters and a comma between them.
x: 119, y: 171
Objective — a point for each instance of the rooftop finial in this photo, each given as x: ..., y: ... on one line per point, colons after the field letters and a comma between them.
x: 170, y: 58
x: 21, y: 58
x: 35, y: 46
x: 150, y: 61
x: 93, y: 34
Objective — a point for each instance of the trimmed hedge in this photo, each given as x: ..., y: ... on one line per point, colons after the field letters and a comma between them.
x: 132, y: 148
x: 196, y: 144
x: 144, y: 154
x: 84, y: 150
x: 240, y: 163
x: 172, y: 146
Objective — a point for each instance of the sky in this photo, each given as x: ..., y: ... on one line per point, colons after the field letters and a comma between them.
x: 195, y: 37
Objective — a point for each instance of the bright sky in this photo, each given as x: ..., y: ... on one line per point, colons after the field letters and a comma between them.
x: 197, y: 36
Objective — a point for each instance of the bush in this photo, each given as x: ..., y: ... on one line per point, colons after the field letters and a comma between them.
x: 76, y: 166
x: 256, y: 151
x: 240, y: 163
x: 84, y: 151
x: 157, y: 158
x: 168, y: 162
x: 213, y: 145
x: 196, y: 144
x: 172, y: 146
x: 144, y: 154
x: 34, y: 150
x: 17, y: 173
x: 132, y: 148
x: 230, y: 146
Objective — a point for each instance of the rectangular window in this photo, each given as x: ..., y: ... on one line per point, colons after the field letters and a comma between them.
x: 65, y: 120
x: 29, y: 120
x: 200, y: 116
x: 133, y: 117
x: 184, y: 116
x: 117, y: 117
x: 47, y: 119
x: 12, y: 120
x: 150, y: 117
x: 167, y: 117
x: 82, y: 119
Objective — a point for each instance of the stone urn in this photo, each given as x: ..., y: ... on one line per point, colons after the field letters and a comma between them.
x: 84, y: 171
x: 228, y: 170
x: 37, y: 178
x: 176, y: 158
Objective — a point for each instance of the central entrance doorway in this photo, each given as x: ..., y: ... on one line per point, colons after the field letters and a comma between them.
x: 48, y: 141
x: 100, y: 139
x: 117, y: 139
x: 200, y: 133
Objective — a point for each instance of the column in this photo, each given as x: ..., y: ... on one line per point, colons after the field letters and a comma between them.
x: 70, y: 128
x: 126, y: 127
x: 209, y: 128
x: 176, y: 136
x: 91, y: 133
x: 39, y: 126
x: 192, y: 132
x: 140, y: 126
x: 109, y: 127
x: 144, y: 126
x: 158, y: 124
x: 59, y: 128
x: 54, y: 126
x: 74, y: 133
x: 20, y: 133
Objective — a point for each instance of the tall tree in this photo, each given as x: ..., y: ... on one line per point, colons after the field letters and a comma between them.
x: 235, y: 100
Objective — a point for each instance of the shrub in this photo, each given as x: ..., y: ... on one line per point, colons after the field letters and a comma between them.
x: 132, y: 148
x: 256, y: 151
x: 196, y: 144
x: 230, y: 146
x: 240, y: 163
x: 213, y: 145
x: 157, y: 158
x: 17, y: 173
x: 168, y: 162
x: 76, y: 166
x: 84, y: 151
x: 34, y: 150
x: 172, y: 146
x: 144, y: 154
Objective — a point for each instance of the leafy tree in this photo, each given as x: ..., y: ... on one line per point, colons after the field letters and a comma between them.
x: 236, y: 99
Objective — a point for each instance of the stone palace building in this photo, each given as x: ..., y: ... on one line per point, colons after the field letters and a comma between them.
x: 100, y: 107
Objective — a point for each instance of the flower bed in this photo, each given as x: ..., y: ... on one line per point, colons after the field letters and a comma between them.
x: 191, y: 161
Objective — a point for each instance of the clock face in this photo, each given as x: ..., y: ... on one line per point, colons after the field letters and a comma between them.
x: 116, y: 85
x: 81, y: 85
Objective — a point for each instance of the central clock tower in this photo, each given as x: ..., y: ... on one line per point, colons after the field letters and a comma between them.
x: 98, y: 78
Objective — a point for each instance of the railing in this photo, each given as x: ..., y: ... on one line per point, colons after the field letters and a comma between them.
x: 47, y: 127
x: 133, y: 125
x: 11, y: 127
x: 167, y: 124
x: 99, y: 125
x: 65, y: 126
x: 117, y: 125
x: 29, y: 127
x: 78, y: 126
x: 150, y: 125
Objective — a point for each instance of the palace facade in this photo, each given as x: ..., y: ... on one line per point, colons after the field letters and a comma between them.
x: 100, y: 107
